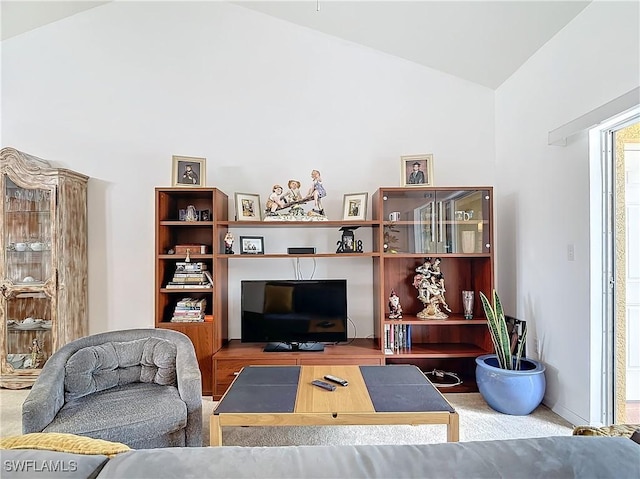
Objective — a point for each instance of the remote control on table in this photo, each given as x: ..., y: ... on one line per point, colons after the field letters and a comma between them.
x: 334, y: 379
x: 323, y: 385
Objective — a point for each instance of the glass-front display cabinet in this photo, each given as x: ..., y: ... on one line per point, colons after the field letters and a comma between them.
x: 437, y: 221
x: 436, y: 256
x: 43, y: 272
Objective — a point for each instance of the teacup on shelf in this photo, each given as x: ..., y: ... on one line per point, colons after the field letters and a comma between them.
x: 20, y: 246
x: 37, y: 246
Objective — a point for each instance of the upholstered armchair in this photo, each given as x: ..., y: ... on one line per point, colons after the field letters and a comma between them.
x: 140, y: 387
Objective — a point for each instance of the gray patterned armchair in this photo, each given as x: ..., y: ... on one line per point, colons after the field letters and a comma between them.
x: 140, y: 387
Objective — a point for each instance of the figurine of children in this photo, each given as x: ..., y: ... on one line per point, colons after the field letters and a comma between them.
x: 275, y: 200
x: 228, y: 243
x: 293, y: 198
x: 395, y: 309
x: 317, y: 192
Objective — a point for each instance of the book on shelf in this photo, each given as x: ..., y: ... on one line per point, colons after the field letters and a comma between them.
x: 183, y: 266
x: 397, y: 337
x: 172, y: 285
x: 192, y: 303
x: 189, y: 310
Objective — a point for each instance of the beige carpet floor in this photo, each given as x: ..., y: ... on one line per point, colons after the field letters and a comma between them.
x: 478, y: 422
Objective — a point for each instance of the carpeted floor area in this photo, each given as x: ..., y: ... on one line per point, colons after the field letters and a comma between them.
x: 478, y: 422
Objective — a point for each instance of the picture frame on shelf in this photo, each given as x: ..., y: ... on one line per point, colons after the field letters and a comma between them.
x: 416, y: 170
x: 251, y: 245
x: 248, y: 207
x: 354, y: 206
x: 205, y: 215
x: 188, y: 171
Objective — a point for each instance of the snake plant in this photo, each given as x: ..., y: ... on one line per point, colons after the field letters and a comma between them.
x: 502, y: 340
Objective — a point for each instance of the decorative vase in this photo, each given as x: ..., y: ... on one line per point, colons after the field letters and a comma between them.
x: 514, y: 392
x: 467, y: 304
x: 468, y: 242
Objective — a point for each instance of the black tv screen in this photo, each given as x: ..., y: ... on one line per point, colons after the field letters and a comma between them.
x: 293, y: 314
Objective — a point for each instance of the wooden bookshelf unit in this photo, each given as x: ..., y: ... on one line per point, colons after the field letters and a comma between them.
x: 408, y: 225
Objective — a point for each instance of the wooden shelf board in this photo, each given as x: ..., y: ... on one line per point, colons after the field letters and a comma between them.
x: 315, y: 255
x: 180, y: 257
x: 359, y: 347
x: 452, y: 320
x: 440, y: 350
x: 290, y: 224
x: 433, y: 253
x: 186, y: 290
x: 208, y: 224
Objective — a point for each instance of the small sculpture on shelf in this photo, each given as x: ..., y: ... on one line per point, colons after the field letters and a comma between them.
x: 228, y: 243
x: 316, y: 192
x: 395, y: 309
x: 35, y: 358
x: 348, y: 243
x: 429, y: 281
x: 275, y: 201
x: 288, y: 206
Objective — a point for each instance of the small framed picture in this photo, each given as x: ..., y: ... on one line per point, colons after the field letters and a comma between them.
x: 251, y: 245
x: 416, y: 170
x: 354, y: 206
x: 248, y: 207
x: 189, y: 171
x: 205, y: 215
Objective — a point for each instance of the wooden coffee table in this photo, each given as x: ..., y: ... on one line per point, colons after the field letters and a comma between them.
x: 376, y: 395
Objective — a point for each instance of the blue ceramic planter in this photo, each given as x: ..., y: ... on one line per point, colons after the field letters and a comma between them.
x: 509, y: 391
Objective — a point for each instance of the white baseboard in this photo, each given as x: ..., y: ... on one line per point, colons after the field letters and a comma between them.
x: 567, y: 414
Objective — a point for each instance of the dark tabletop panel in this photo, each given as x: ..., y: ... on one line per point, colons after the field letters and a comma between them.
x: 262, y: 389
x: 402, y: 388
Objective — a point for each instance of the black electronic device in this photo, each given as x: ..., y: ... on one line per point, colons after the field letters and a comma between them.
x: 293, y: 315
x: 323, y: 385
x: 337, y: 380
x: 301, y: 250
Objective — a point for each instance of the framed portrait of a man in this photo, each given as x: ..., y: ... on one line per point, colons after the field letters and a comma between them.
x: 189, y: 171
x: 416, y: 170
x: 354, y: 206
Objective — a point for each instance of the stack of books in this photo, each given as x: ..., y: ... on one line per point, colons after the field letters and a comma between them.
x: 190, y: 275
x: 189, y: 310
x: 397, y: 338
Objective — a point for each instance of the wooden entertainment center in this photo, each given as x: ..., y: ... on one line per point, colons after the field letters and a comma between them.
x: 449, y: 223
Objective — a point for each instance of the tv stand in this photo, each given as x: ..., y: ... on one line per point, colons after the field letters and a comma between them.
x: 288, y: 347
x: 229, y: 360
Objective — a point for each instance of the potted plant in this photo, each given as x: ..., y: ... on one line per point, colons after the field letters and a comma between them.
x: 510, y: 383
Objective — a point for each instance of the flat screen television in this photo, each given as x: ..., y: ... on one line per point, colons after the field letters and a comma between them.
x: 293, y: 315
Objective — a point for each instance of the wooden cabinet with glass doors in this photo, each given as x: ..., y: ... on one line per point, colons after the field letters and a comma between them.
x: 420, y: 226
x: 43, y: 272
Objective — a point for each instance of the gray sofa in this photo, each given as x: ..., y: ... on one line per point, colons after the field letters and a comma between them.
x: 552, y: 457
x: 140, y: 387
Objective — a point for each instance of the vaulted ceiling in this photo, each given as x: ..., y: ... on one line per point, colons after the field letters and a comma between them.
x: 484, y: 42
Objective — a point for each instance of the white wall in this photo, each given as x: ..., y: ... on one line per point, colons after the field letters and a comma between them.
x: 113, y: 92
x: 542, y: 203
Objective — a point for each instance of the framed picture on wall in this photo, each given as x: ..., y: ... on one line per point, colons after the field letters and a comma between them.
x: 189, y: 171
x: 416, y: 170
x: 248, y: 207
x: 354, y: 206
